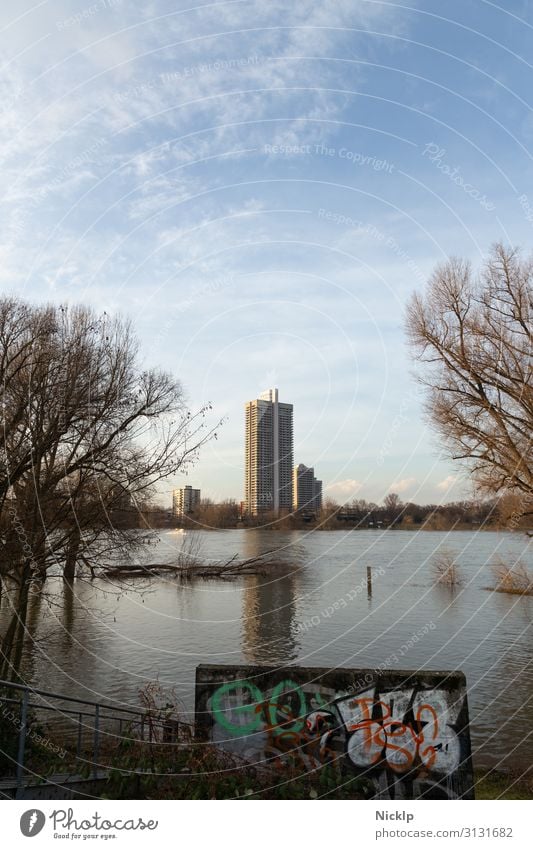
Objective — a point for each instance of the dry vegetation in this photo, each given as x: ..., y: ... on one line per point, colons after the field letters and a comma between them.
x: 515, y: 579
x: 445, y: 568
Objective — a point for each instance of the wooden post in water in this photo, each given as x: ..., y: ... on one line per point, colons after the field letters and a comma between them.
x: 369, y: 581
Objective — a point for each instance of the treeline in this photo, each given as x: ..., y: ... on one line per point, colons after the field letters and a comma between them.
x: 393, y: 513
x: 495, y: 513
x: 505, y: 512
x: 206, y: 515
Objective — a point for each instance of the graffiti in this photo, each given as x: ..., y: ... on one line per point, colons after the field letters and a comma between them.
x: 406, y: 733
x: 377, y: 734
x: 235, y: 707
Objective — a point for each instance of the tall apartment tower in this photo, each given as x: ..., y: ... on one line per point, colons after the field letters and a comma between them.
x: 306, y: 489
x: 184, y: 500
x: 268, y: 455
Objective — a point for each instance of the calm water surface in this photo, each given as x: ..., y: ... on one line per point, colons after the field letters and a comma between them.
x: 103, y: 642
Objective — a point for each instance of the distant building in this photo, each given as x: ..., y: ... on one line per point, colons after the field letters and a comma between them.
x: 268, y: 455
x: 302, y: 487
x: 306, y: 489
x: 317, y: 495
x: 184, y: 500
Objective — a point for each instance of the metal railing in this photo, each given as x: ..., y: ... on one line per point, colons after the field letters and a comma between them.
x: 80, y: 715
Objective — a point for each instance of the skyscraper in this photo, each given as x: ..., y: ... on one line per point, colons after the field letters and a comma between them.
x: 302, y: 487
x: 306, y: 489
x: 268, y: 455
x: 317, y: 495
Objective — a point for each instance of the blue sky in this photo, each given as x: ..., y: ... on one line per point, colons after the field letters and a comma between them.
x: 260, y: 187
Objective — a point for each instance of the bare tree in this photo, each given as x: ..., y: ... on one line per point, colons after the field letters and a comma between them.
x: 86, y: 431
x: 208, y: 514
x: 473, y: 336
x: 393, y: 508
x: 328, y: 514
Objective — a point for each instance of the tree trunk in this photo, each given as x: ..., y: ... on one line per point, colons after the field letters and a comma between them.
x: 18, y: 643
x: 69, y: 572
x: 6, y: 646
x: 13, y: 640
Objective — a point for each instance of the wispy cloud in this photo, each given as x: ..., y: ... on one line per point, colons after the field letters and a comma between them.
x: 345, y: 489
x: 447, y: 483
x: 157, y: 88
x: 402, y: 485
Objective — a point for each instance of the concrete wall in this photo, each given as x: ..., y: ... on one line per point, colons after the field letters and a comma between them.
x: 406, y: 732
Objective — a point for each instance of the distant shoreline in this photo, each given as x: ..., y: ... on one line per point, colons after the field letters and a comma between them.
x: 417, y: 529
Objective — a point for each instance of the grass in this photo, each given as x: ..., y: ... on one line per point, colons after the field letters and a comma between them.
x: 491, y: 784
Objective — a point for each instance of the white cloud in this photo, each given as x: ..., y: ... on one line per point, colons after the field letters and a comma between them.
x: 402, y: 485
x: 345, y: 489
x: 447, y: 483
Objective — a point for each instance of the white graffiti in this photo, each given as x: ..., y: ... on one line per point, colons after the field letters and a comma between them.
x: 379, y: 728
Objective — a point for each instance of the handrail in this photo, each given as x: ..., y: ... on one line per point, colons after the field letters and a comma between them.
x: 101, y: 712
x: 72, y: 712
x: 59, y: 696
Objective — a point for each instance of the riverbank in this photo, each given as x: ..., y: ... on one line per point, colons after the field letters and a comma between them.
x: 345, y: 526
x: 171, y: 766
x: 491, y: 785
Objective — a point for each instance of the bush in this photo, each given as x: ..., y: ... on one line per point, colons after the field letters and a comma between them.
x: 445, y: 568
x: 515, y: 579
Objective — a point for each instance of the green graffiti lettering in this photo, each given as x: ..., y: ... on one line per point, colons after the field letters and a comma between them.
x: 239, y: 719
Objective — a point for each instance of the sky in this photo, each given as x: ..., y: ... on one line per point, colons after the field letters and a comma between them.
x: 260, y: 187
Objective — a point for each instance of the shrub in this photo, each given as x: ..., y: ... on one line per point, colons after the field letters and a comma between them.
x: 445, y: 568
x: 515, y: 579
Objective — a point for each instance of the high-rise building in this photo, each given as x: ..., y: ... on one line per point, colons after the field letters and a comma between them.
x: 268, y: 455
x: 317, y: 495
x: 302, y: 487
x: 306, y: 489
x: 184, y: 500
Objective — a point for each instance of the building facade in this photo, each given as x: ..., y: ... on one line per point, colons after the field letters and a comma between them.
x: 184, y: 500
x: 306, y: 489
x: 302, y: 487
x: 317, y: 495
x: 268, y: 455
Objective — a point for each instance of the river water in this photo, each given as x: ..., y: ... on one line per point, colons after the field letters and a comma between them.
x: 103, y: 642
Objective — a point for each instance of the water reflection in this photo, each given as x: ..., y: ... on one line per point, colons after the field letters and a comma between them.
x: 35, y: 613
x: 269, y: 633
x: 67, y: 618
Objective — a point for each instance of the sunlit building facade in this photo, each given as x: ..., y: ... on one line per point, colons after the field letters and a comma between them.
x: 184, y: 500
x: 306, y: 490
x: 268, y: 455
